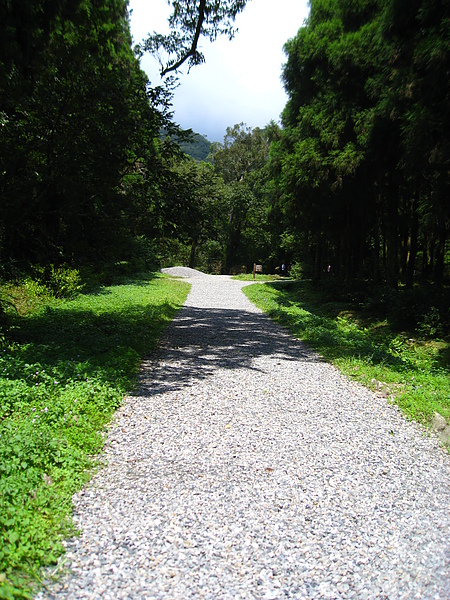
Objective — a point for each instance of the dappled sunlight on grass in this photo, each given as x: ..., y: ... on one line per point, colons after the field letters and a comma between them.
x: 64, y: 372
x: 413, y: 373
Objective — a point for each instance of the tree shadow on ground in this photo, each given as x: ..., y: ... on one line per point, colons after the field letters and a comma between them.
x: 74, y: 342
x: 321, y: 326
x: 200, y: 341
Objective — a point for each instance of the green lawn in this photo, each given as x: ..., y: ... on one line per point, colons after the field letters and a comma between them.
x: 413, y: 372
x: 63, y: 372
x: 258, y: 277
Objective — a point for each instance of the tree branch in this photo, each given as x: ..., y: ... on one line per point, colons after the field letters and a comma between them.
x: 193, y: 48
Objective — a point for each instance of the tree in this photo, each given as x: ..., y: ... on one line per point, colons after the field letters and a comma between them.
x: 190, y: 21
x: 243, y: 153
x: 327, y: 122
x: 362, y: 159
x: 193, y: 205
x: 76, y: 124
x: 417, y: 92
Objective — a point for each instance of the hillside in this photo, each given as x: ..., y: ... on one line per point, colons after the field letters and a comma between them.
x: 198, y: 148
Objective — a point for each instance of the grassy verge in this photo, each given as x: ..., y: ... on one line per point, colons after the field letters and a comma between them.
x: 258, y: 277
x: 63, y: 372
x: 409, y: 368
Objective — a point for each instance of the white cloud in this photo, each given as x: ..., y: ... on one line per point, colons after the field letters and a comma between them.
x: 240, y: 81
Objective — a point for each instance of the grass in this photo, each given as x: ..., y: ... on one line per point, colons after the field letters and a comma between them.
x: 63, y: 372
x: 410, y: 368
x: 258, y: 277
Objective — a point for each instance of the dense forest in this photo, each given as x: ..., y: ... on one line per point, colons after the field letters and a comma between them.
x: 197, y: 147
x: 362, y: 167
x: 353, y: 181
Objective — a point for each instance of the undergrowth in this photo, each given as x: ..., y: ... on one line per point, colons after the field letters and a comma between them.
x: 65, y: 365
x: 369, y: 342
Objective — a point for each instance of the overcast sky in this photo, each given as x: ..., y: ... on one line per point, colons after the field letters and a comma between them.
x: 240, y: 81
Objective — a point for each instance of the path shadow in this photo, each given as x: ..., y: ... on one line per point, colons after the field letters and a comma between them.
x: 200, y: 341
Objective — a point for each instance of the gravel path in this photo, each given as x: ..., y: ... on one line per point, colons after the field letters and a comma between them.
x: 247, y: 468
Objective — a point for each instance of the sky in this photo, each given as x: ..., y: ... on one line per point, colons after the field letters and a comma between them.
x: 241, y: 79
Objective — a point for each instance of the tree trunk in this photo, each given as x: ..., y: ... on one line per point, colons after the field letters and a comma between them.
x: 412, y: 247
x: 391, y: 239
x: 192, y: 257
x: 318, y: 259
x: 439, y: 265
x: 376, y: 254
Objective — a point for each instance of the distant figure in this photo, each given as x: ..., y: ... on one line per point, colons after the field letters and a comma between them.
x: 283, y: 270
x: 329, y: 269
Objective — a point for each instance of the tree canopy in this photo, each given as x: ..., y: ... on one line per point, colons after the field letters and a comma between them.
x: 355, y: 178
x: 363, y: 161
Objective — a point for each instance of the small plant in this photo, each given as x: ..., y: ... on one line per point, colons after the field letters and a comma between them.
x: 64, y: 282
x: 296, y: 271
x: 430, y: 325
x: 5, y: 303
x: 27, y: 295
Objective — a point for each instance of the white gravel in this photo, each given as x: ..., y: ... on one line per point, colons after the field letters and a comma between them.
x: 245, y: 467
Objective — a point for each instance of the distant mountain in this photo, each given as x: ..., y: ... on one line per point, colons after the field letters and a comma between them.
x: 198, y: 149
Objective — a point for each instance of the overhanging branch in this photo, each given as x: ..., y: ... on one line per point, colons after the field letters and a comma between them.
x: 193, y: 49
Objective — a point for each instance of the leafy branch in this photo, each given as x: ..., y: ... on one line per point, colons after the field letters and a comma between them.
x: 188, y: 23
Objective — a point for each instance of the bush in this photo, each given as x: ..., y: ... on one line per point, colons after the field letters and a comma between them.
x: 170, y: 253
x: 430, y: 325
x: 296, y: 271
x: 3, y: 317
x: 5, y: 309
x: 64, y: 282
x: 210, y: 257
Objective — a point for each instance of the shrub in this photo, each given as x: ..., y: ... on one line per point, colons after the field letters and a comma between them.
x: 5, y: 308
x: 296, y: 270
x: 430, y: 324
x: 210, y: 257
x: 64, y: 282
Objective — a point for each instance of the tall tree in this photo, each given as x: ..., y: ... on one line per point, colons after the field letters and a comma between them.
x: 75, y: 122
x: 244, y: 151
x: 193, y: 205
x: 328, y: 118
x: 417, y: 92
x: 364, y: 151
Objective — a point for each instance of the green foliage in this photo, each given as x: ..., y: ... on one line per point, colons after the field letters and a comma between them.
x: 64, y: 282
x: 25, y: 295
x: 364, y: 343
x: 243, y: 150
x: 258, y: 277
x: 210, y: 256
x: 240, y: 161
x: 188, y: 22
x: 296, y: 271
x: 77, y: 143
x: 61, y: 281
x: 194, y: 212
x: 61, y: 379
x: 431, y: 324
x: 5, y: 304
x: 362, y: 160
x: 198, y: 148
